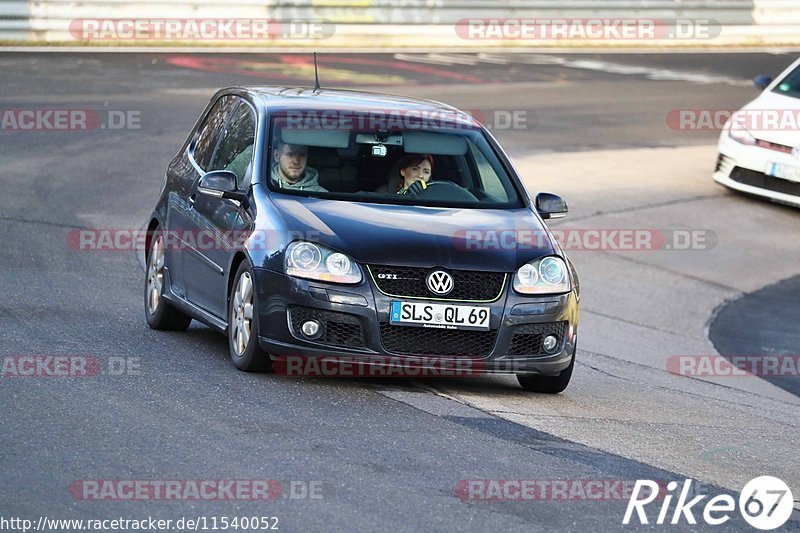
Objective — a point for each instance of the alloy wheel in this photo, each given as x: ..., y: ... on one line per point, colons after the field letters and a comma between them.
x: 155, y: 275
x: 242, y: 313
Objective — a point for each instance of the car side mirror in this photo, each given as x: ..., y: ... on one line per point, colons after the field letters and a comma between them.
x: 222, y: 184
x: 550, y: 205
x: 762, y: 82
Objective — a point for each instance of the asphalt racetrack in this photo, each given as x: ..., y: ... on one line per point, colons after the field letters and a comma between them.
x: 367, y: 454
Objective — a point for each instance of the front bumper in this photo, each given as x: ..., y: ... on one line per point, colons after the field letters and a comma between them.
x: 360, y: 329
x: 742, y: 168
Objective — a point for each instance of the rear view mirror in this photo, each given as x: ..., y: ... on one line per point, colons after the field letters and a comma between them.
x: 762, y: 82
x: 550, y: 205
x: 222, y: 184
x: 217, y: 181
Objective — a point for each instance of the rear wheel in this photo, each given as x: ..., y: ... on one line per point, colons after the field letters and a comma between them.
x: 243, y: 324
x: 159, y: 313
x: 547, y: 384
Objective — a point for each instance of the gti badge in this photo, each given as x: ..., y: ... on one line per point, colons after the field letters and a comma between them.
x: 440, y: 282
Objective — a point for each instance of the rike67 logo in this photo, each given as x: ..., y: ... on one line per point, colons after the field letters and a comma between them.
x: 765, y: 503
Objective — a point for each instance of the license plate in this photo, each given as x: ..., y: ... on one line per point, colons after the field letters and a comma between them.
x: 440, y: 316
x: 783, y: 171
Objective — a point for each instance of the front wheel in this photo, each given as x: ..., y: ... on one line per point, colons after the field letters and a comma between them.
x: 547, y: 384
x: 243, y: 324
x: 158, y: 312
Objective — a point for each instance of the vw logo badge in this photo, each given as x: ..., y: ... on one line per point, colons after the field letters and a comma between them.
x: 796, y: 151
x: 440, y: 282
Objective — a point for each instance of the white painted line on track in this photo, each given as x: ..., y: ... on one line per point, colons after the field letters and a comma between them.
x: 651, y: 73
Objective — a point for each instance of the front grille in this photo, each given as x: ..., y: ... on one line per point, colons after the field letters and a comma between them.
x: 410, y: 283
x: 423, y: 341
x: 527, y: 339
x: 765, y: 181
x: 340, y: 329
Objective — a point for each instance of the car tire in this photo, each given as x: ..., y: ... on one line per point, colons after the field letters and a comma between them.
x: 243, y: 323
x: 547, y: 384
x: 159, y: 313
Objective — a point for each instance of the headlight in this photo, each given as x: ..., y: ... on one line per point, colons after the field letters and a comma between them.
x: 548, y: 275
x: 738, y: 132
x: 304, y: 256
x: 314, y: 261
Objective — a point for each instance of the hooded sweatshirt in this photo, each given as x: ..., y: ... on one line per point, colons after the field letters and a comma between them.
x: 308, y: 182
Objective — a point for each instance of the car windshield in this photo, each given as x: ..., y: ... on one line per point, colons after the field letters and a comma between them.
x: 789, y: 85
x: 360, y: 157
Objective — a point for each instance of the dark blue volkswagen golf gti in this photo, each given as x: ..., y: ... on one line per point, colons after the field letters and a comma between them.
x: 365, y: 227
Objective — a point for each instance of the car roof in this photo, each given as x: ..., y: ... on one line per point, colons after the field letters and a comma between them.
x: 286, y: 98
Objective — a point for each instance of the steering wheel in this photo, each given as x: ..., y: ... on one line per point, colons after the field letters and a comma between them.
x: 446, y: 191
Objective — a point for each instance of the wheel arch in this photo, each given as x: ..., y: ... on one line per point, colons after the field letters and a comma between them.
x: 238, y: 258
x: 152, y: 226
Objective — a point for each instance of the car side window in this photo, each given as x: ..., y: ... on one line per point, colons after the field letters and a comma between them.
x: 211, y: 131
x: 235, y: 150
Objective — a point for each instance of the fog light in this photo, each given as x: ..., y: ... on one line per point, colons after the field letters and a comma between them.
x: 310, y: 328
x: 549, y: 343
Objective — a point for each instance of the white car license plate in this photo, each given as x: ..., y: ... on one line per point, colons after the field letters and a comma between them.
x: 440, y: 316
x: 784, y: 171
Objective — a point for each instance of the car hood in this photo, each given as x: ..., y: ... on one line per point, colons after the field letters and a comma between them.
x: 782, y: 105
x: 496, y: 240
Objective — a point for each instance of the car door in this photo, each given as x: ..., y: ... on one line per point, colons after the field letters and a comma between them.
x: 181, y: 214
x: 182, y: 174
x: 219, y: 223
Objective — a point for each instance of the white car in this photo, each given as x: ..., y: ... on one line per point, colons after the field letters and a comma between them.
x: 759, y: 147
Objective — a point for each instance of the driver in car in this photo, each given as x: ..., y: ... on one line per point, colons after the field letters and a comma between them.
x: 290, y: 170
x: 415, y: 170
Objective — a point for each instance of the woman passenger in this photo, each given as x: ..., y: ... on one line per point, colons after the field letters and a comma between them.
x: 415, y: 172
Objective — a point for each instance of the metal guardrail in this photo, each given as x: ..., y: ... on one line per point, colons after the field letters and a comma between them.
x: 14, y: 18
x: 49, y: 20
